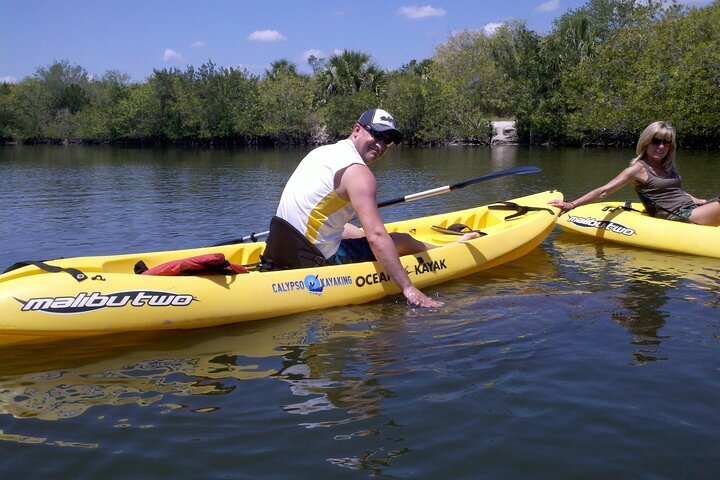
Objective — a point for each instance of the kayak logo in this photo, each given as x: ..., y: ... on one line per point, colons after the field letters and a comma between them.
x: 589, y: 222
x: 313, y: 284
x: 84, y: 302
x: 316, y: 284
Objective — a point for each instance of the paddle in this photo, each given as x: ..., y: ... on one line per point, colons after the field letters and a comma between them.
x: 457, y: 186
x: 417, y: 196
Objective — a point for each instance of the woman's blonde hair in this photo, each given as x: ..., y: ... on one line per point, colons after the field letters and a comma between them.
x: 663, y: 131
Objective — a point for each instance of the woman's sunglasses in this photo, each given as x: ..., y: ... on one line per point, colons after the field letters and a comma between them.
x: 379, y: 136
x: 660, y: 141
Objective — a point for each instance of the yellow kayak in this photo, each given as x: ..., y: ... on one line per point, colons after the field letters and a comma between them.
x: 614, y: 222
x: 111, y: 297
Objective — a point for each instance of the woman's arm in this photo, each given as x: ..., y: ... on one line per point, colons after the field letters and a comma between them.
x: 697, y: 201
x: 633, y: 173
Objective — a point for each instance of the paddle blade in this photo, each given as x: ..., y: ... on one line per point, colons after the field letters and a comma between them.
x: 500, y: 173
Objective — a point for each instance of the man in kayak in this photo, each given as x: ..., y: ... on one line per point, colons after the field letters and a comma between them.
x: 331, y: 185
x: 657, y: 182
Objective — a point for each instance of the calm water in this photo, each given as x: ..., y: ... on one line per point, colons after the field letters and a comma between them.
x: 580, y: 360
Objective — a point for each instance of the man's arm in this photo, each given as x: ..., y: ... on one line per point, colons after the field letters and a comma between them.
x: 359, y: 184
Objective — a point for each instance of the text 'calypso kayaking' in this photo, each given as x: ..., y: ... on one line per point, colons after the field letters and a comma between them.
x: 312, y: 283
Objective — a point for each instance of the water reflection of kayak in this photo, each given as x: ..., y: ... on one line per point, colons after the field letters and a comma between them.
x: 70, y: 377
x: 112, y: 298
x: 610, y: 221
x: 626, y: 262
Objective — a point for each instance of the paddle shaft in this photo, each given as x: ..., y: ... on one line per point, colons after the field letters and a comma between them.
x: 417, y: 196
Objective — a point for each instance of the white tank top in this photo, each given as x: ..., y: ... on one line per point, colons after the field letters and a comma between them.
x: 309, y: 201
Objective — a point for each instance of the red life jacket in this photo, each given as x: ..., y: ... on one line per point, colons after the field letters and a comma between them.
x: 210, y: 264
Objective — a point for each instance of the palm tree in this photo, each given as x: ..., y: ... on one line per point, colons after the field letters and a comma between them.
x: 350, y: 72
x: 577, y: 35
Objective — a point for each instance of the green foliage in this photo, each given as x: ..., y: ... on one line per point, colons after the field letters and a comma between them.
x: 406, y: 100
x: 605, y: 71
x: 341, y: 112
x: 206, y: 104
x: 65, y: 85
x: 465, y: 63
x: 138, y: 117
x: 469, y: 88
x: 99, y: 119
x: 665, y: 66
x: 286, y: 104
x: 31, y: 104
x: 515, y: 50
x: 614, y: 66
x: 7, y: 113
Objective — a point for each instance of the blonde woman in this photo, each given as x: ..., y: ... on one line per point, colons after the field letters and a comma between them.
x: 654, y: 175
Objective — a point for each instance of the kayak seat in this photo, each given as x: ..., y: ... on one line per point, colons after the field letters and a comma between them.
x: 520, y: 210
x: 286, y: 248
x: 457, y: 229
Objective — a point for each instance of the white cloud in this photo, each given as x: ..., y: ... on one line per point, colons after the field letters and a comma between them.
x: 414, y: 12
x: 548, y: 6
x: 8, y: 79
x: 171, y: 55
x: 266, y: 36
x: 491, y: 28
x: 197, y: 44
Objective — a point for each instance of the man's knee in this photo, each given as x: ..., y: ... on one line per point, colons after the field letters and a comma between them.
x: 405, y: 244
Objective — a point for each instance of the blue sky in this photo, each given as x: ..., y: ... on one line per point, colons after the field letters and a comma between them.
x: 136, y: 36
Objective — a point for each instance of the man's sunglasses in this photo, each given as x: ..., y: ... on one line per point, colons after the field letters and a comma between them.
x: 379, y: 136
x: 660, y: 141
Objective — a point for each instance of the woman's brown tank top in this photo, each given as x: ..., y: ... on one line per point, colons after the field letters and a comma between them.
x: 662, y: 195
